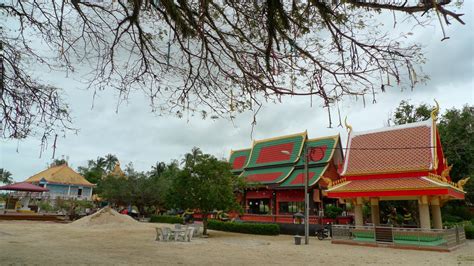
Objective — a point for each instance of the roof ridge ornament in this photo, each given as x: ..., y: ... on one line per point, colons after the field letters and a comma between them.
x: 348, y: 127
x: 460, y: 184
x: 327, y: 180
x: 435, y: 111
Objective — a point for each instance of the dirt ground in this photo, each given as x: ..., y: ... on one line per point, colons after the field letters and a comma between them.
x: 24, y: 242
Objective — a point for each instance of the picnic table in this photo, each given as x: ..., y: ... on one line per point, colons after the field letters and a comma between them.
x: 177, y: 232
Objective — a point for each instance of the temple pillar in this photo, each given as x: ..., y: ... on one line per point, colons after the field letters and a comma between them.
x: 436, y: 213
x: 375, y: 211
x: 358, y: 215
x: 424, y: 211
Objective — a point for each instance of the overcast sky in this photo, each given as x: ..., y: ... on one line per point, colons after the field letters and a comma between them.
x: 134, y: 134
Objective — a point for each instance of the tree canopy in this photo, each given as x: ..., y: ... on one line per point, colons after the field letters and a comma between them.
x: 206, y: 184
x: 5, y: 176
x: 214, y: 58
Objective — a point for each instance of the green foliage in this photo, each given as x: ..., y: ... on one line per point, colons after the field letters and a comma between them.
x: 246, y: 228
x: 97, y: 169
x: 332, y: 211
x: 72, y: 206
x: 166, y: 219
x: 469, y: 231
x: 456, y: 213
x: 5, y: 176
x: 408, y: 113
x: 144, y: 190
x: 456, y: 129
x: 58, y: 162
x: 45, y: 206
x: 205, y: 183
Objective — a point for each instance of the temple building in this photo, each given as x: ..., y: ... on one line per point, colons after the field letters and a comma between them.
x: 62, y: 181
x: 275, y: 169
x: 117, y: 171
x: 404, y: 162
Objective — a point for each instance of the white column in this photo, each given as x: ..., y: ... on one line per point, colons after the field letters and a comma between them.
x: 358, y: 215
x: 375, y: 211
x: 424, y: 210
x: 90, y: 195
x: 436, y: 212
x: 69, y: 190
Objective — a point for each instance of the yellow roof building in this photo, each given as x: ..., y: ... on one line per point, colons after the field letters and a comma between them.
x: 61, y: 174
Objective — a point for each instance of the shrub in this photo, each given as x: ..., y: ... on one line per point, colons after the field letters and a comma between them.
x: 469, y: 231
x: 246, y: 228
x: 332, y: 211
x: 45, y: 206
x: 448, y: 218
x: 166, y: 219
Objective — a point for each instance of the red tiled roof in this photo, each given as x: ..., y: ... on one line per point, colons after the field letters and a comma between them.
x: 382, y: 184
x: 404, y: 185
x: 394, y: 149
x: 267, y: 175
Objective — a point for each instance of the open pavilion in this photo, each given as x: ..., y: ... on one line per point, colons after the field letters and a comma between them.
x: 404, y: 162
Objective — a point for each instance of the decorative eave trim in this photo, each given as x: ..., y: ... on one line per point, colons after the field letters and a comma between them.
x: 283, y: 179
x: 334, y: 137
x: 342, y: 182
x: 436, y: 179
x: 399, y: 171
x: 302, y: 134
x: 250, y: 155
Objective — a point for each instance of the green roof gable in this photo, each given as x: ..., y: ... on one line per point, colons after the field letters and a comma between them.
x: 276, y: 151
x: 322, y: 150
x: 238, y: 159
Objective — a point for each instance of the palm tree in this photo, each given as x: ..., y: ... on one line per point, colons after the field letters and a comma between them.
x: 110, y: 161
x: 100, y: 163
x: 158, y: 169
x: 5, y: 176
x: 190, y: 158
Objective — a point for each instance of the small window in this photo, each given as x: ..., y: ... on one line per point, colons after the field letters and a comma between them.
x: 79, y: 191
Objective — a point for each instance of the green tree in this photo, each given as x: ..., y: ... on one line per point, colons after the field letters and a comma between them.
x: 92, y: 172
x: 408, y: 113
x: 110, y: 161
x: 5, y: 176
x: 58, y: 162
x: 190, y: 158
x: 207, y: 185
x: 456, y: 129
x: 97, y: 169
x: 146, y: 191
x: 117, y: 191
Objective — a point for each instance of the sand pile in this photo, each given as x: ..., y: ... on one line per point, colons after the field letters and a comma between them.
x: 105, y: 216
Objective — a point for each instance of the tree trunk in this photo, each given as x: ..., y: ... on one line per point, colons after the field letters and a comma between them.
x: 204, y: 223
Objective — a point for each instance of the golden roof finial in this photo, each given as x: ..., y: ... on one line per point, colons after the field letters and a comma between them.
x: 349, y: 127
x: 460, y: 184
x: 434, y: 113
x: 327, y: 180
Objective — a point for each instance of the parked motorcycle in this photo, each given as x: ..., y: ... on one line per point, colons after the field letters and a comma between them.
x: 323, y: 232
